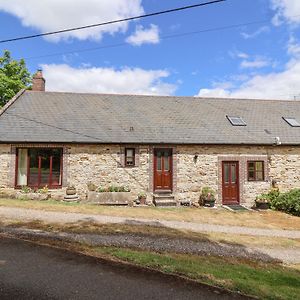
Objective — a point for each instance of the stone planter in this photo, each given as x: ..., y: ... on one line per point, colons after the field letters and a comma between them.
x: 33, y: 196
x: 109, y: 198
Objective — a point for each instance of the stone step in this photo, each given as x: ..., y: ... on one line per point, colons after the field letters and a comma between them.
x: 164, y: 200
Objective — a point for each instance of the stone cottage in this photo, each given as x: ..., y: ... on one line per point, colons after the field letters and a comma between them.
x: 168, y: 147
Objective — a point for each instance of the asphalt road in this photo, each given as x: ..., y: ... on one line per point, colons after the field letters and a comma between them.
x: 29, y: 271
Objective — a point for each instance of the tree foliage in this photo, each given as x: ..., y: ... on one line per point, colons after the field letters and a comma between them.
x: 14, y: 76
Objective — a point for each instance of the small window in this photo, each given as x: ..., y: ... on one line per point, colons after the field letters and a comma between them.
x: 256, y: 171
x: 236, y: 121
x: 292, y: 122
x: 129, y: 157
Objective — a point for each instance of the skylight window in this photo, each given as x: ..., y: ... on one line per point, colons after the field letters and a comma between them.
x: 292, y: 122
x: 236, y: 121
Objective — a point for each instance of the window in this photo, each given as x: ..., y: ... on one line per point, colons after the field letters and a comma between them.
x: 39, y: 167
x: 256, y: 171
x: 129, y: 157
x: 236, y: 121
x: 292, y: 122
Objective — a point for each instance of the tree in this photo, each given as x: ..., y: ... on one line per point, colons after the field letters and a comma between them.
x: 14, y: 76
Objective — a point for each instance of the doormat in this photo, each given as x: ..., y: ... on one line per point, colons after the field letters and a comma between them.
x: 236, y: 207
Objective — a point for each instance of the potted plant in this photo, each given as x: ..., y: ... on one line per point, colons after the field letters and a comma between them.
x: 71, y: 190
x: 262, y: 201
x: 142, y: 198
x: 207, y: 197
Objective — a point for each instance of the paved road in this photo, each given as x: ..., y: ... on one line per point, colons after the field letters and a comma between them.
x: 29, y: 271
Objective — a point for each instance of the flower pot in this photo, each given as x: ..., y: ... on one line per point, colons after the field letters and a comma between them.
x: 262, y: 205
x: 70, y: 191
x: 209, y: 203
x: 142, y: 200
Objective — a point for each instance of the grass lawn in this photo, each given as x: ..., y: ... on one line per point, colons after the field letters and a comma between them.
x: 261, y: 219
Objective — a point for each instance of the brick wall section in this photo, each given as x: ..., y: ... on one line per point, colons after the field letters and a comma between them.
x: 193, y: 168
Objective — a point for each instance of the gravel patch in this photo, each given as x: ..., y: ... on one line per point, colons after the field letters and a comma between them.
x: 140, y: 241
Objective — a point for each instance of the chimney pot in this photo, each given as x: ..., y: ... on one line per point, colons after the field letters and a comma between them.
x: 38, y: 81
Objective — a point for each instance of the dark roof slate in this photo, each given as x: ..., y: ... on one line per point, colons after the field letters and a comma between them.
x: 100, y: 118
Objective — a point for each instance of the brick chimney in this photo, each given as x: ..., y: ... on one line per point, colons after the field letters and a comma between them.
x: 38, y: 82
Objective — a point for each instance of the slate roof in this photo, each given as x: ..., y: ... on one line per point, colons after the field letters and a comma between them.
x: 99, y: 118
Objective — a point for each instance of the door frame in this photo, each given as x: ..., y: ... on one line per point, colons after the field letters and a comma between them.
x: 154, y: 169
x: 237, y: 179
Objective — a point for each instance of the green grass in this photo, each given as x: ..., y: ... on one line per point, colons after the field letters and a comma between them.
x: 267, y: 281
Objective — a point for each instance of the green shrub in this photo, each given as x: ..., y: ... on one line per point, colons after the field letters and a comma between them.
x: 113, y: 189
x: 288, y: 202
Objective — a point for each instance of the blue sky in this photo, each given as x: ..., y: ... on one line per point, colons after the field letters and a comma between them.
x: 149, y: 56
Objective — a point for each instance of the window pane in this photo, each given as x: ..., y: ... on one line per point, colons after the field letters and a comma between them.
x: 259, y: 166
x: 233, y: 174
x: 45, y: 166
x: 40, y: 164
x: 129, y: 152
x: 34, y: 167
x: 166, y: 161
x: 129, y: 161
x: 158, y: 161
x: 251, y: 175
x: 226, y: 173
x: 22, y: 167
x: 259, y: 176
x: 251, y: 166
x: 56, y: 168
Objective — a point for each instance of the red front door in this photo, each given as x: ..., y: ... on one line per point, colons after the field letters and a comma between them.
x: 163, y: 169
x: 230, y: 182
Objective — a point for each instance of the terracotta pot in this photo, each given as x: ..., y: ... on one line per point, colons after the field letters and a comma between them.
x: 142, y: 200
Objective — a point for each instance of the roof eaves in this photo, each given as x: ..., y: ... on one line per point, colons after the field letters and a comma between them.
x: 11, y: 101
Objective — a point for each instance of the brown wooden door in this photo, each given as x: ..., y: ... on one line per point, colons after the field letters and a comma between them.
x: 163, y: 169
x: 230, y: 182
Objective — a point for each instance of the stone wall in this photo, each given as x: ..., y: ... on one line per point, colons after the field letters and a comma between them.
x: 194, y: 167
x: 102, y: 165
x: 200, y: 166
x: 5, y: 166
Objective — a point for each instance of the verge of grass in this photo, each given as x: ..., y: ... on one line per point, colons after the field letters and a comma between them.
x: 268, y: 219
x: 265, y: 281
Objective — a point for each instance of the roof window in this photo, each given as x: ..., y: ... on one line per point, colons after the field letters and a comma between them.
x: 291, y: 121
x: 236, y: 121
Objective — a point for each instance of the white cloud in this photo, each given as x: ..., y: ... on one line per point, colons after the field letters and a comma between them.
x: 274, y: 85
x: 293, y: 47
x: 282, y: 85
x: 257, y: 63
x: 288, y: 10
x: 144, y: 36
x: 256, y: 33
x: 107, y: 80
x: 52, y: 15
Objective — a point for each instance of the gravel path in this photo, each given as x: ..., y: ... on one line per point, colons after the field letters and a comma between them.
x: 145, y: 242
x: 62, y: 217
x: 162, y: 244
